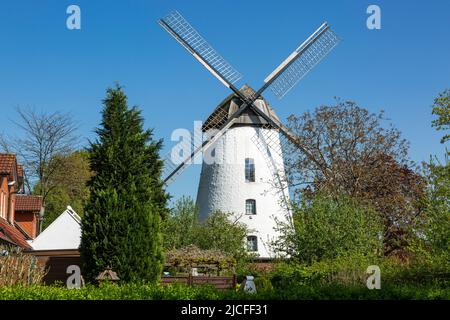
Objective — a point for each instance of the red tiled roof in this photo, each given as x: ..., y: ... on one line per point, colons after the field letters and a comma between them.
x: 12, y: 235
x: 7, y: 163
x: 28, y: 203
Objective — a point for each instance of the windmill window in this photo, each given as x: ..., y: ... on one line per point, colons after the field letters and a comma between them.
x: 252, y: 243
x: 250, y: 206
x: 249, y: 170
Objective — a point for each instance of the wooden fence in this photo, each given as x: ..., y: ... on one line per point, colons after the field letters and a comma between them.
x: 219, y: 282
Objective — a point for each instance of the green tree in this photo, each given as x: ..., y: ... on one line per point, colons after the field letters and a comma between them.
x: 67, y: 186
x: 355, y: 155
x: 181, y: 225
x: 121, y: 224
x: 223, y: 231
x: 327, y: 227
x: 441, y: 109
x: 437, y: 230
x: 220, y: 230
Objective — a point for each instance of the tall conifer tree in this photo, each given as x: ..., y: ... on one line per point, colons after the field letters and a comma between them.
x: 121, y: 225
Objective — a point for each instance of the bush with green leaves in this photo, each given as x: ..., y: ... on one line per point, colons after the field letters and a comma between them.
x: 326, y: 227
x: 220, y: 230
x: 333, y: 291
x: 437, y: 227
x: 191, y: 256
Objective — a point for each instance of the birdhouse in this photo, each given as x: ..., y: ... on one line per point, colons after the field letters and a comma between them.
x: 107, y: 275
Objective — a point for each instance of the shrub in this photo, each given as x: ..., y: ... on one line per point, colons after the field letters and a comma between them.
x: 191, y: 256
x: 219, y: 231
x: 17, y: 268
x: 182, y: 292
x: 326, y: 228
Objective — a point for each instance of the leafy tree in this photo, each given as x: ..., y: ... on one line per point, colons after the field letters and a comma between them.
x: 181, y: 225
x: 221, y: 231
x: 397, y: 193
x: 340, y: 138
x: 441, y: 109
x: 67, y: 186
x: 326, y: 227
x: 121, y: 224
x: 437, y: 228
x: 354, y: 155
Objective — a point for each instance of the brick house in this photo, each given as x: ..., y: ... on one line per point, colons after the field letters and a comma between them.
x: 19, y: 213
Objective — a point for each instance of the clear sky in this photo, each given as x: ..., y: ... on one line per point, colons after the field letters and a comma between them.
x: 399, y: 68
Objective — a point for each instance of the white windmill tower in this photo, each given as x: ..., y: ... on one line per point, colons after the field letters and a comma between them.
x: 242, y: 140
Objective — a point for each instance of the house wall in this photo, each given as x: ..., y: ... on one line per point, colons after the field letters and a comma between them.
x: 7, y: 199
x: 4, y: 197
x: 223, y: 187
x: 27, y: 220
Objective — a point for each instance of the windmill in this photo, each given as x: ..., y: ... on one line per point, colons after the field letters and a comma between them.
x: 243, y: 139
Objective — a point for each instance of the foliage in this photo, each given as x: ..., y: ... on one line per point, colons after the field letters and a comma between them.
x: 121, y: 224
x: 67, y: 186
x: 180, y: 227
x: 331, y: 291
x: 17, y: 268
x: 191, y: 256
x: 326, y: 228
x: 221, y: 231
x: 351, y: 153
x: 441, y: 109
x: 397, y: 193
x: 437, y: 227
x: 339, y: 138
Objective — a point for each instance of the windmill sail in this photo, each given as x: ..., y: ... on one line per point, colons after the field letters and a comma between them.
x: 192, y: 41
x: 280, y: 81
x: 302, y: 60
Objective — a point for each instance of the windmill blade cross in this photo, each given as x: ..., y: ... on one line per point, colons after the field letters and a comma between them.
x: 280, y: 81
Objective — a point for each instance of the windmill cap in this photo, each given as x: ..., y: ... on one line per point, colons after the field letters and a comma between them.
x: 248, y: 117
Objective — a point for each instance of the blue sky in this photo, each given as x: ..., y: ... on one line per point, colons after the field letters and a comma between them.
x: 399, y: 68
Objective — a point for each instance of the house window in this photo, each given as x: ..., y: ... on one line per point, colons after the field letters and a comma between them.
x: 249, y: 170
x: 250, y: 206
x: 252, y: 243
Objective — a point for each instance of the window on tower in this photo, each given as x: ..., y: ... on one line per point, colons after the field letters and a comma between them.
x: 250, y: 206
x: 249, y: 170
x: 252, y: 243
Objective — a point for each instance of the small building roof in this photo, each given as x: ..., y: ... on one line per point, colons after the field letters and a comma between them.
x: 62, y: 234
x: 28, y: 203
x: 11, y: 235
x: 8, y: 165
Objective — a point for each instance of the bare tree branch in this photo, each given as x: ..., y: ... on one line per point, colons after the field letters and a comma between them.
x: 44, y: 139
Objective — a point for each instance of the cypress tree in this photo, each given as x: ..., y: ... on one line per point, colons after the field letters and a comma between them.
x: 121, y: 223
